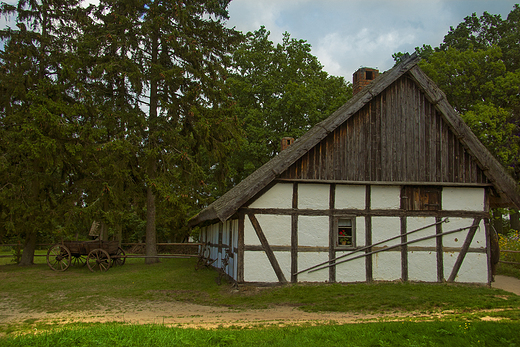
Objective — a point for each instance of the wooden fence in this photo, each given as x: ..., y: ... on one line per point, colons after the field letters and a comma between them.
x: 509, y: 262
x: 136, y: 250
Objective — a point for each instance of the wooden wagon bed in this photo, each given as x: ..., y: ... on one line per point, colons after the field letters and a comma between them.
x: 98, y: 255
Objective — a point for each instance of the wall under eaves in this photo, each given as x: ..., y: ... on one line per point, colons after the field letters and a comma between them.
x: 291, y: 233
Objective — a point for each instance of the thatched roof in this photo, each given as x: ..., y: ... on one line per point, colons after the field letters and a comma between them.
x: 223, y: 208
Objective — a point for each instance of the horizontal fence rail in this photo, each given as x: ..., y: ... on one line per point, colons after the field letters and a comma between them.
x: 509, y: 262
x: 125, y: 244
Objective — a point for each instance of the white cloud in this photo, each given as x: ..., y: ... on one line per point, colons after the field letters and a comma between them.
x: 341, y: 54
x: 347, y: 34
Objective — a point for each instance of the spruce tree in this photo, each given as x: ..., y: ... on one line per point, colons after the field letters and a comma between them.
x: 171, y: 60
x: 38, y: 118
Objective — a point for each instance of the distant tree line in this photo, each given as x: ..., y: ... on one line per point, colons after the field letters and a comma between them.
x: 478, y: 67
x: 136, y: 114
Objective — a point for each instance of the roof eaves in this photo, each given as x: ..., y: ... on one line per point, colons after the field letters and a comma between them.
x: 230, y: 202
x: 501, y: 180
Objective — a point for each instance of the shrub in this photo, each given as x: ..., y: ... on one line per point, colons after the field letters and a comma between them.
x: 510, y: 242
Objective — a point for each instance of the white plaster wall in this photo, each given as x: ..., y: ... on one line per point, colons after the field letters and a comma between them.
x: 313, y: 231
x: 350, y: 197
x: 479, y: 240
x: 413, y: 223
x: 257, y: 267
x: 422, y: 266
x: 465, y: 199
x: 473, y: 269
x: 313, y: 196
x: 360, y: 232
x: 386, y: 266
x: 384, y: 228
x: 309, y: 259
x: 385, y: 197
x: 351, y: 271
x: 277, y: 230
x: 279, y: 196
x: 457, y: 239
x: 235, y: 245
x: 212, y: 237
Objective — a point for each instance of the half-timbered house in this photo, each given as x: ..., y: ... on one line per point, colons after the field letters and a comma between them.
x: 392, y: 186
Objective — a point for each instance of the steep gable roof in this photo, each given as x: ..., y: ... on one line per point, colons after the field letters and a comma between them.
x: 229, y: 203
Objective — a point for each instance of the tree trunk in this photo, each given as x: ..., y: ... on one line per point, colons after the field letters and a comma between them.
x: 103, y: 232
x: 151, y: 235
x: 514, y: 219
x: 118, y: 233
x: 497, y: 222
x: 28, y: 250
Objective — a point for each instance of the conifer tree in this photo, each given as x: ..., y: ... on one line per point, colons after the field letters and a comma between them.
x: 172, y: 60
x: 38, y: 119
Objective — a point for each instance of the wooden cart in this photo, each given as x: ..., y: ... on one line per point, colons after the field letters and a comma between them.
x: 97, y: 255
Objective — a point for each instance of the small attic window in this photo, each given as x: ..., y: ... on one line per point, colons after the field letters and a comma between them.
x: 421, y: 198
x: 369, y: 75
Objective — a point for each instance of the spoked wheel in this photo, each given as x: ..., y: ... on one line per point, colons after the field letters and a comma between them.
x: 119, y: 258
x: 78, y: 260
x: 98, y: 260
x: 58, y: 258
x: 204, y: 258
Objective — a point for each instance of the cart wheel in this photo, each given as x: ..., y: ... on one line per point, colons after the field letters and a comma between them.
x: 78, y: 260
x: 119, y: 258
x: 58, y: 257
x: 203, y: 257
x: 98, y: 260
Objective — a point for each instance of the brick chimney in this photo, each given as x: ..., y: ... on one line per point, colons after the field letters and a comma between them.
x: 286, y: 142
x: 362, y: 78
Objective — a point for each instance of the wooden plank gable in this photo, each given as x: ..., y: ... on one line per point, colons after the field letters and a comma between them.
x: 399, y: 136
x: 400, y: 128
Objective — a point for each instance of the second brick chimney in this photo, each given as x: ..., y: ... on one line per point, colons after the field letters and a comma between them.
x: 286, y: 142
x: 362, y: 78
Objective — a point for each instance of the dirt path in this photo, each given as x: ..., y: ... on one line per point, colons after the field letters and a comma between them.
x: 197, y: 316
x: 190, y: 316
x: 506, y: 283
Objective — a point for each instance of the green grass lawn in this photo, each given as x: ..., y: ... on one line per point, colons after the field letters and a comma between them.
x: 41, y: 289
x: 367, y: 334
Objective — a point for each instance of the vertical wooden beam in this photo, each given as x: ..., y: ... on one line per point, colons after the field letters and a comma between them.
x: 488, y: 251
x: 404, y: 250
x: 231, y: 267
x: 332, y: 241
x: 240, y: 253
x: 267, y: 248
x: 439, y: 250
x: 220, y: 237
x: 464, y: 249
x: 368, y: 235
x: 294, y: 235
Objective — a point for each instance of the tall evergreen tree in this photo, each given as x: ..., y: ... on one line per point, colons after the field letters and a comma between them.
x: 38, y: 119
x: 172, y: 60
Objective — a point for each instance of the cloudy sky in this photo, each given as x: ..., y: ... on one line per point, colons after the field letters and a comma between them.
x: 347, y: 34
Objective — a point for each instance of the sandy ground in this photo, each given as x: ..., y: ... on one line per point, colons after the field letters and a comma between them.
x: 506, y: 283
x: 197, y: 316
x: 189, y: 316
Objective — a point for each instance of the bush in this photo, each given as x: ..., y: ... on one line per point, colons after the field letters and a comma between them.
x: 510, y: 242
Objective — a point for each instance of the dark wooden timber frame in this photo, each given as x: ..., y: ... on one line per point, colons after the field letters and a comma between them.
x: 332, y: 249
x: 399, y: 131
x: 368, y: 214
